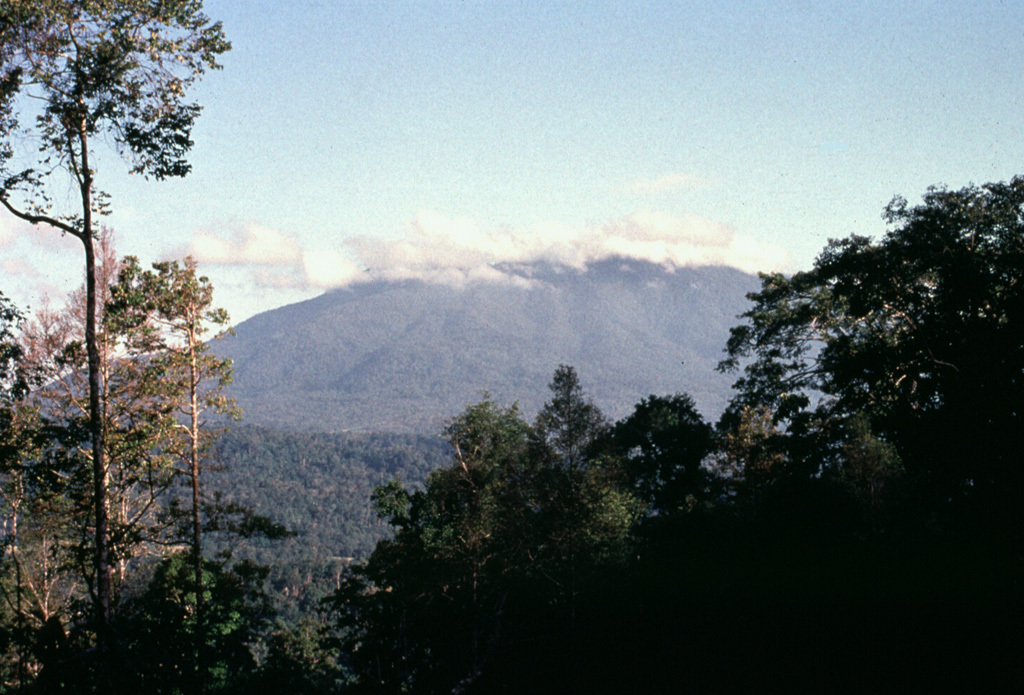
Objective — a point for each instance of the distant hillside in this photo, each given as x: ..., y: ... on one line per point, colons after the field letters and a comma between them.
x: 403, y: 356
x: 318, y: 485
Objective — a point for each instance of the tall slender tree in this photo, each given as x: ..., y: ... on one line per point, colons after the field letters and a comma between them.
x: 137, y: 424
x: 77, y: 72
x: 166, y: 315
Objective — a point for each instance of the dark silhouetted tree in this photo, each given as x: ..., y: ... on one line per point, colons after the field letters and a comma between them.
x: 917, y: 335
x: 664, y: 442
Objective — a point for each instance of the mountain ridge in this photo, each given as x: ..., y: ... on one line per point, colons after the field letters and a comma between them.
x: 404, y: 355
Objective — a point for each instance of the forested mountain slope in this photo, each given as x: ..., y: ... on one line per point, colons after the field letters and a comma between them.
x: 318, y: 485
x: 403, y: 356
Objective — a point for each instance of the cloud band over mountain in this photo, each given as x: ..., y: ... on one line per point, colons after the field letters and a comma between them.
x: 454, y: 251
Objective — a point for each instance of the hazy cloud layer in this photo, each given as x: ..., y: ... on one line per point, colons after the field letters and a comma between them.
x: 12, y: 229
x: 35, y: 237
x: 36, y: 262
x: 18, y: 267
x: 455, y: 251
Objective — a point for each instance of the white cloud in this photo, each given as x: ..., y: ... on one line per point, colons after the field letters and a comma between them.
x: 687, y: 241
x: 252, y: 245
x: 455, y: 251
x: 328, y: 269
x: 39, y: 236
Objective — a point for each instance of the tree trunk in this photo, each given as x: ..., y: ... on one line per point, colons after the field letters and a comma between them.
x: 197, y: 540
x: 99, y: 467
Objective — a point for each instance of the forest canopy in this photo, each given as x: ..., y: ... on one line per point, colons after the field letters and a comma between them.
x: 859, y: 497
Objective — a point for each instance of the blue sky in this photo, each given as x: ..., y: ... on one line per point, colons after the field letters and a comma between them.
x: 435, y: 139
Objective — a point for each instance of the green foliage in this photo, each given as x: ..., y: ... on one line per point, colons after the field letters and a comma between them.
x: 72, y: 73
x: 448, y: 563
x: 101, y: 69
x: 391, y: 502
x: 41, y: 582
x: 163, y: 317
x: 318, y: 486
x: 503, y: 545
x: 13, y: 380
x: 859, y: 495
x: 854, y: 520
x: 158, y: 380
x: 868, y: 464
x: 301, y: 660
x: 140, y: 426
x: 569, y: 422
x: 159, y: 627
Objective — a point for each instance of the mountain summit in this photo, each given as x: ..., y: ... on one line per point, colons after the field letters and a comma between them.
x: 404, y: 355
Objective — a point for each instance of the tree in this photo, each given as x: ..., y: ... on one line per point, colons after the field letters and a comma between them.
x: 664, y: 443
x: 137, y: 426
x: 38, y: 583
x: 72, y: 74
x: 918, y: 334
x: 300, y: 659
x: 878, y: 409
x: 869, y: 468
x: 46, y: 478
x: 137, y: 422
x: 427, y: 609
x: 490, y: 561
x: 13, y: 441
x: 13, y: 380
x: 161, y: 633
x: 569, y: 423
x: 588, y: 511
x: 165, y: 315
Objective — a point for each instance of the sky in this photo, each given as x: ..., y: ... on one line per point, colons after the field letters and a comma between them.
x: 345, y: 141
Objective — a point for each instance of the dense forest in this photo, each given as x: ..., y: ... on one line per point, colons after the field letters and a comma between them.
x: 850, y: 522
x: 319, y: 487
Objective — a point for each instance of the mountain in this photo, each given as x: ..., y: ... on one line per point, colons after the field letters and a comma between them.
x: 405, y: 355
